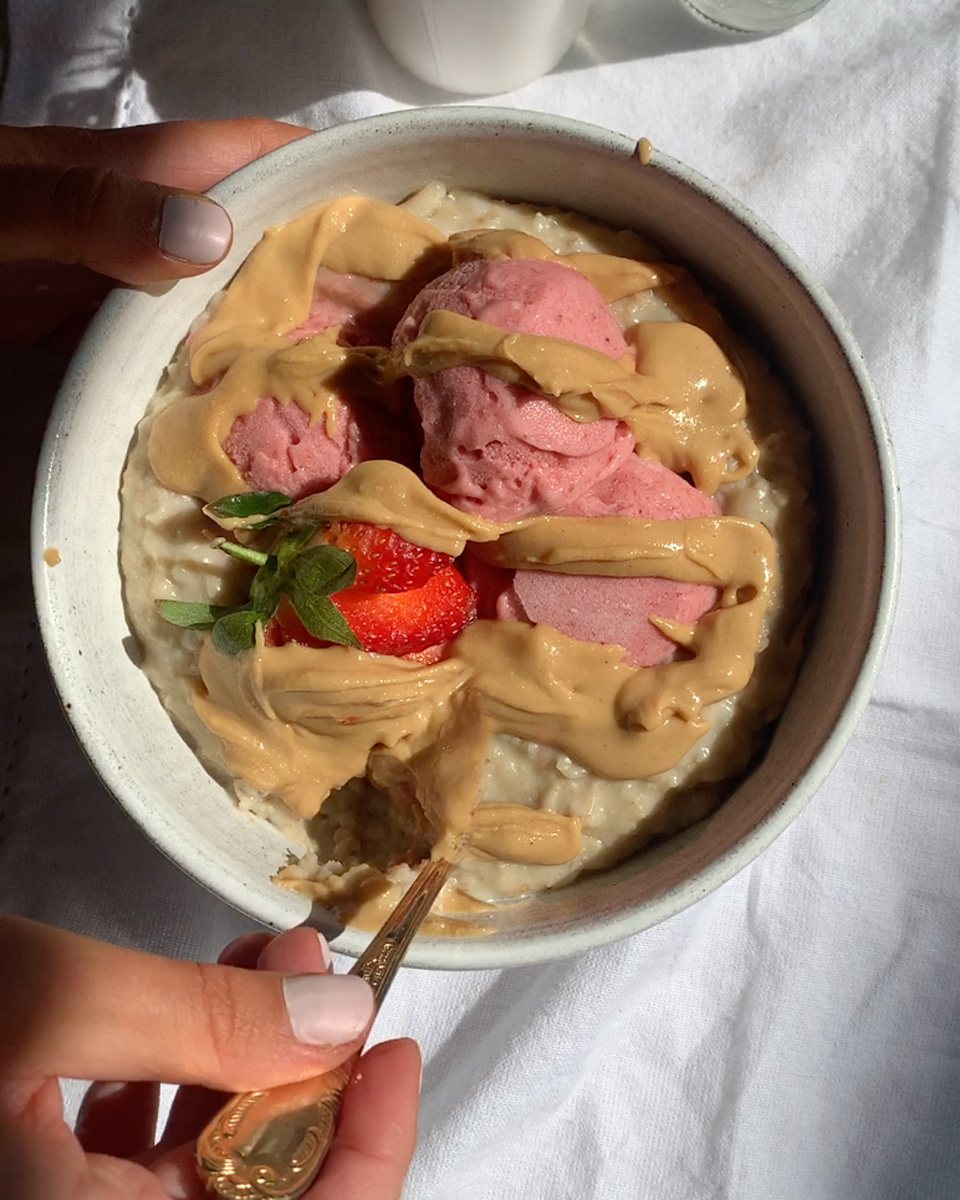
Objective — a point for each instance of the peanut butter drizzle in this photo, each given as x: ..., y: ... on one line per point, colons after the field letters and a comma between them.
x: 612, y: 276
x: 684, y: 402
x: 297, y: 723
x: 243, y: 353
x: 382, y: 492
x: 272, y: 291
x: 519, y: 834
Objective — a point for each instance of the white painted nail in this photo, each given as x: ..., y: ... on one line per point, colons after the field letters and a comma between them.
x: 324, y: 950
x: 327, y: 1010
x: 194, y: 229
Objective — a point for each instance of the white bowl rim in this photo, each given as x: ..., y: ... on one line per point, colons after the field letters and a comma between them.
x: 437, y: 952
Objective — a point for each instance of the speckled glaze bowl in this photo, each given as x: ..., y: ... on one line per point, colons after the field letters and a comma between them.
x: 517, y: 156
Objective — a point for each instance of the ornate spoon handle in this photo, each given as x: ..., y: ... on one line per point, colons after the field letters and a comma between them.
x: 270, y: 1145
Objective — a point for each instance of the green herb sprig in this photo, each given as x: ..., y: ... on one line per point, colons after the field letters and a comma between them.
x: 307, y: 577
x: 244, y: 505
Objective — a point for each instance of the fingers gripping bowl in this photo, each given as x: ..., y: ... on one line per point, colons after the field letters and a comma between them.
x: 520, y: 157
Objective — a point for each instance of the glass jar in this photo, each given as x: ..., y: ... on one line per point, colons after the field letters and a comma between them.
x: 754, y: 16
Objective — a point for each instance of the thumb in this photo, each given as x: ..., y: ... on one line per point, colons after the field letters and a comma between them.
x: 75, y: 1007
x: 133, y: 231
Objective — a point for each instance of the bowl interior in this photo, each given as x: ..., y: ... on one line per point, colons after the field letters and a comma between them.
x: 119, y: 720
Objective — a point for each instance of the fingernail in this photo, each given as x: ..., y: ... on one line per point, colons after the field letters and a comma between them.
x: 324, y: 950
x: 327, y: 1010
x: 194, y: 229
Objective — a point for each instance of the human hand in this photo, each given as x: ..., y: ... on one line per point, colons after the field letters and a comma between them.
x: 82, y: 208
x: 78, y: 1008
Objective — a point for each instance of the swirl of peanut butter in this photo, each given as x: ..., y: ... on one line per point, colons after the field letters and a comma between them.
x: 516, y: 833
x: 243, y: 352
x: 684, y: 402
x: 295, y: 722
x: 612, y: 276
x: 272, y: 291
x: 382, y: 492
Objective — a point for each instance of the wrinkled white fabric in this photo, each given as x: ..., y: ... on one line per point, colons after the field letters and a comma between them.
x: 796, y: 1036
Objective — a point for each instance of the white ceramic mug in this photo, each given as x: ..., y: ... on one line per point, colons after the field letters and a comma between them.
x: 478, y: 46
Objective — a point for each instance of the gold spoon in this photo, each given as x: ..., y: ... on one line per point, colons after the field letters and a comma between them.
x: 270, y: 1145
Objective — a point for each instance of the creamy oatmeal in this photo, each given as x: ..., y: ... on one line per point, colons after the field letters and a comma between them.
x: 640, y: 456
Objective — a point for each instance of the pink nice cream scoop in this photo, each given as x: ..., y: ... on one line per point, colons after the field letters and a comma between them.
x: 275, y: 447
x: 502, y: 451
x: 612, y: 610
x: 496, y: 448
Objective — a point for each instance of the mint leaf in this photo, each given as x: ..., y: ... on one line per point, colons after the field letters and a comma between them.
x: 321, y: 617
x: 249, y: 504
x: 234, y: 632
x: 324, y: 569
x: 191, y: 616
x: 308, y: 577
x: 290, y: 546
x: 265, y: 590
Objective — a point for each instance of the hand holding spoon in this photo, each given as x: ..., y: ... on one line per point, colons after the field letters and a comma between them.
x: 270, y: 1145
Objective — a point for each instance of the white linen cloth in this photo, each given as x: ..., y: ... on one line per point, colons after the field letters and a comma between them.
x: 796, y: 1036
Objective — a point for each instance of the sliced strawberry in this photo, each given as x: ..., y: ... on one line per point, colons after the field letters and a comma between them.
x: 386, y: 562
x: 407, y: 622
x: 285, y: 626
x: 275, y: 632
x: 416, y: 623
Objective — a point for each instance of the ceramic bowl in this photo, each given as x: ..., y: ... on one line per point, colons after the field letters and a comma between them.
x: 518, y: 156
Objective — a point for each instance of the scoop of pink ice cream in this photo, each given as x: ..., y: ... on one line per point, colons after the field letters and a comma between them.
x: 611, y: 610
x: 497, y: 448
x: 365, y: 309
x: 525, y: 295
x: 275, y: 448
